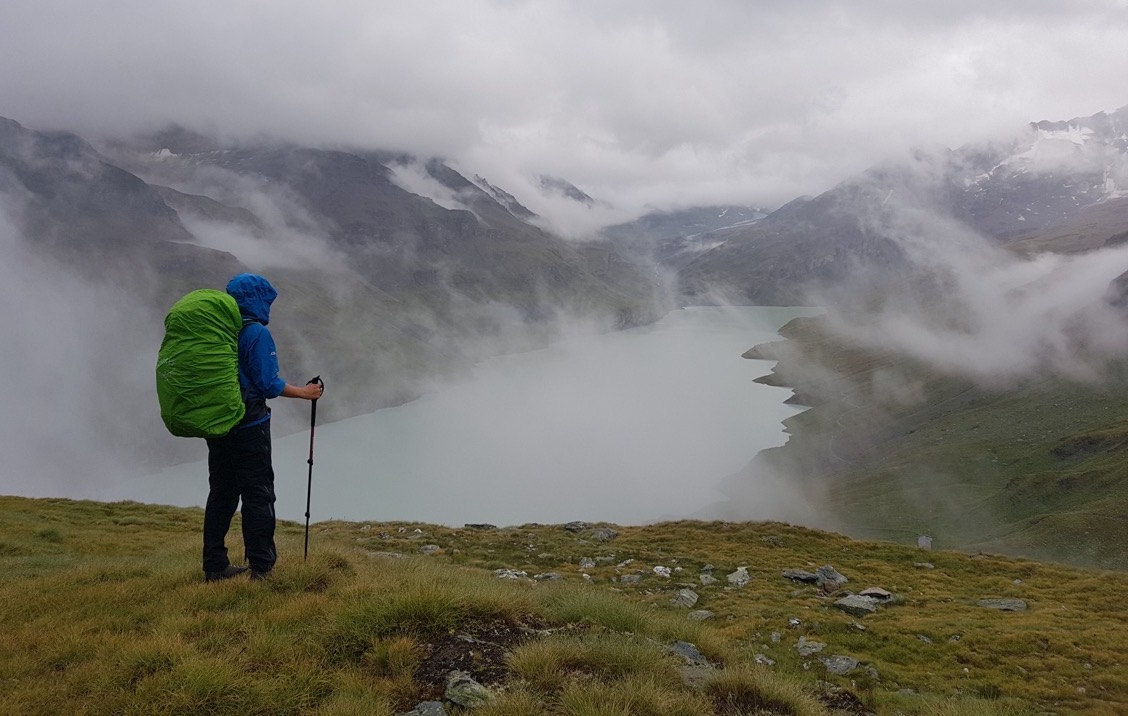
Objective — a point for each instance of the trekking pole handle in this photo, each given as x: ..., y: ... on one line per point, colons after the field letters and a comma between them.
x: 313, y: 418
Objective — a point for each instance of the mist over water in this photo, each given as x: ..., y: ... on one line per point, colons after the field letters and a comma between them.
x: 627, y: 427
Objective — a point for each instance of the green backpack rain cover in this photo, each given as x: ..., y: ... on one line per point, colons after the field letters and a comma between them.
x: 198, y: 366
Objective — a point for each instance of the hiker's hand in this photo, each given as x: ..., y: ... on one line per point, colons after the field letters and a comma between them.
x: 313, y: 390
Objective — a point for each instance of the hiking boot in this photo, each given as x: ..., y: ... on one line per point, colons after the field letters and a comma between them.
x: 228, y: 572
x: 259, y: 576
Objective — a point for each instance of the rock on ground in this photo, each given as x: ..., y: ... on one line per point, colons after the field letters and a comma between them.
x: 510, y: 574
x: 464, y: 691
x: 685, y: 598
x: 690, y: 653
x: 427, y: 708
x: 740, y: 577
x: 839, y: 665
x: 603, y: 534
x: 800, y: 575
x: 881, y: 595
x: 828, y: 577
x: 857, y: 606
x: 1006, y: 605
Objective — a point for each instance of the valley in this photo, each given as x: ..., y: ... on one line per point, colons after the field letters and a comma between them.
x: 399, y: 274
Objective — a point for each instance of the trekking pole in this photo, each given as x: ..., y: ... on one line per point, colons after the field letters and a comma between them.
x: 309, y: 481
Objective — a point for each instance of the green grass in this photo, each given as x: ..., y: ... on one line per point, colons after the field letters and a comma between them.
x: 550, y: 665
x: 114, y: 618
x: 1038, y: 468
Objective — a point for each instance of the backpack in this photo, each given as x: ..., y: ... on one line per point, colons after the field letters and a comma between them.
x: 198, y: 366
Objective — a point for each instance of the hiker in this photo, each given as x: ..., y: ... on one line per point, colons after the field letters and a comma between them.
x: 239, y: 462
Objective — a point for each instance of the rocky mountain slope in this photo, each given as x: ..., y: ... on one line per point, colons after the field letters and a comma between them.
x: 674, y: 238
x: 392, y: 270
x: 74, y: 205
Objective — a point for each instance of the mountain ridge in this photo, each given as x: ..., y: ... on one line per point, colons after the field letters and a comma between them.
x: 382, y: 290
x: 1037, y: 183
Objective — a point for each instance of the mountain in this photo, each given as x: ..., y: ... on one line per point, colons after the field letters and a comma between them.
x: 673, y: 238
x: 564, y: 188
x: 506, y: 199
x: 75, y: 206
x: 1053, y: 177
x: 456, y: 244
x: 1046, y: 176
x: 776, y: 260
x: 393, y: 271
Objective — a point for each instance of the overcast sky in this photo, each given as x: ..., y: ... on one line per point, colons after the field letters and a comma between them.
x: 638, y: 102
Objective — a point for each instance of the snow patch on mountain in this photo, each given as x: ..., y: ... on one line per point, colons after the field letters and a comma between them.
x: 1053, y: 147
x: 1087, y: 158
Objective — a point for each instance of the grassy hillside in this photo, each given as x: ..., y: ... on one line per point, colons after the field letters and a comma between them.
x: 1039, y: 469
x: 1093, y: 227
x: 106, y: 613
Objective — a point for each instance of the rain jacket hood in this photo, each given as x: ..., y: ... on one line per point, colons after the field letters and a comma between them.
x: 253, y: 294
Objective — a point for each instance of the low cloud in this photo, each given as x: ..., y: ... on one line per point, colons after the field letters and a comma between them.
x: 978, y: 310
x: 413, y: 177
x: 82, y: 412
x: 264, y: 225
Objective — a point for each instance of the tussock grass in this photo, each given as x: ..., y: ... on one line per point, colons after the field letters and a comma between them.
x: 745, y: 689
x: 633, y: 696
x: 549, y: 665
x: 598, y: 608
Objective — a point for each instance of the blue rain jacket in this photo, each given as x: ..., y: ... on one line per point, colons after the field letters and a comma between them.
x: 258, y: 357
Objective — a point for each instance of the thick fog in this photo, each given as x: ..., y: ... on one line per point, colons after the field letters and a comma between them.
x: 974, y: 307
x: 628, y: 427
x: 277, y: 232
x: 81, y: 410
x: 997, y: 318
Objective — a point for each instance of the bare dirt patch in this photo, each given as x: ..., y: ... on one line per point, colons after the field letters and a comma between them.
x: 479, y: 647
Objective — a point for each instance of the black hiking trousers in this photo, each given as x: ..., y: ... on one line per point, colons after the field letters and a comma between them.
x: 239, y: 467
